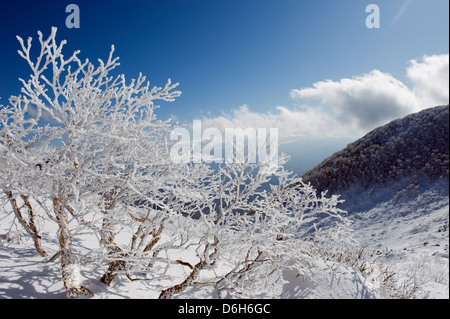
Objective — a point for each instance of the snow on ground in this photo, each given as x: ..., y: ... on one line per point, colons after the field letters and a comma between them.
x: 329, y: 282
x: 411, y: 239
x: 405, y: 252
x: 26, y: 275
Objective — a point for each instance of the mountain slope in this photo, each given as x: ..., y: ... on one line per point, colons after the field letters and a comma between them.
x: 410, y: 152
x: 395, y: 183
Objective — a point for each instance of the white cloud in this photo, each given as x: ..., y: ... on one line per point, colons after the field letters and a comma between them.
x: 430, y: 79
x: 291, y: 124
x: 364, y: 101
x: 350, y: 107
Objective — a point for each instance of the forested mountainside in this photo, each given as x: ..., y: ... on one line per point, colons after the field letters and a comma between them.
x: 413, y: 148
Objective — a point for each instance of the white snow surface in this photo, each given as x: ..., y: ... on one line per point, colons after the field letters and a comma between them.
x: 25, y: 275
x: 407, y: 243
x: 411, y: 238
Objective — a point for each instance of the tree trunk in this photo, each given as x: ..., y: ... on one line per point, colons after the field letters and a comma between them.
x: 68, y: 267
x: 29, y: 226
x: 169, y: 292
x: 115, y: 265
x: 107, y: 240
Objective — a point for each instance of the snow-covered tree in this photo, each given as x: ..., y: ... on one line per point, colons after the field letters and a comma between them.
x: 255, y: 231
x: 86, y: 149
x: 77, y: 134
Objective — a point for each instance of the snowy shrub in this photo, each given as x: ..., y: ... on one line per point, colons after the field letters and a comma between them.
x: 86, y: 150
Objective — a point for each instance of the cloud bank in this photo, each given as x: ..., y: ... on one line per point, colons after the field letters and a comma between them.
x: 350, y: 107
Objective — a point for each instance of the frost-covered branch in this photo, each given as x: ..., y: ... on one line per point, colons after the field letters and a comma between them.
x: 77, y: 132
x: 86, y: 148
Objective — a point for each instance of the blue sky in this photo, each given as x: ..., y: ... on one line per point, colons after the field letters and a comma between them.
x: 265, y: 59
